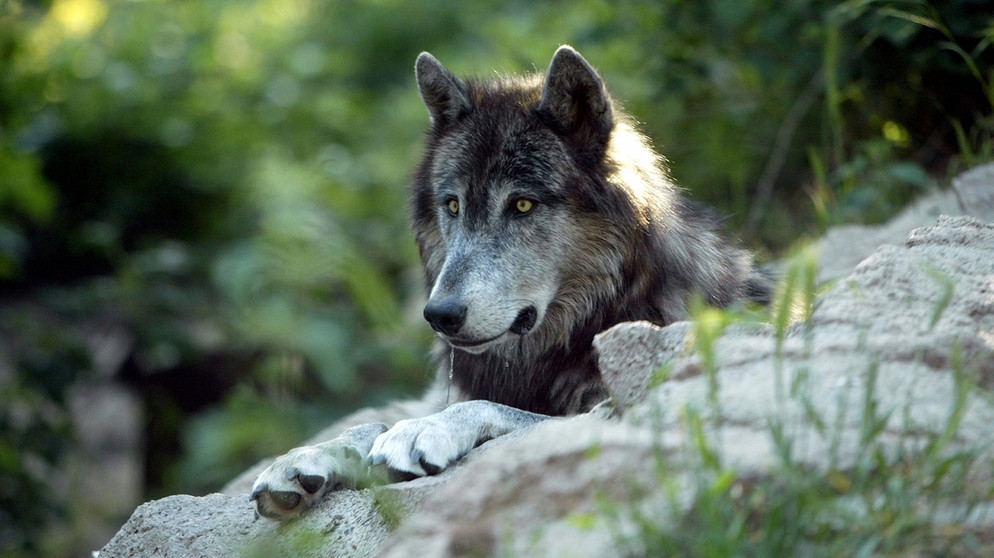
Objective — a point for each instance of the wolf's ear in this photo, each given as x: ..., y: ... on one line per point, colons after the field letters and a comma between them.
x: 575, y: 100
x: 443, y: 93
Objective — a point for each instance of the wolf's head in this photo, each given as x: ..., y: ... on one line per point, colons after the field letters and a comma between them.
x: 513, y: 213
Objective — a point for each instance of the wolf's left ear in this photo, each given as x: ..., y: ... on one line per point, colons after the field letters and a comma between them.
x: 445, y: 95
x: 575, y: 100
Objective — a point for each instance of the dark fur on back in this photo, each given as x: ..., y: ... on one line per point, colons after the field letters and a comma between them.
x: 639, y: 250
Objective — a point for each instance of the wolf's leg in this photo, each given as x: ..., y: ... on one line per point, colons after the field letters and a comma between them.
x: 296, y: 480
x: 428, y: 445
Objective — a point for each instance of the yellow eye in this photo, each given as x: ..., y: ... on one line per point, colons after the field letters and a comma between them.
x: 524, y: 205
x: 453, y: 206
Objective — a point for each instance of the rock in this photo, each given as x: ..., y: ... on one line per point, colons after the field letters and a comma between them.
x: 540, y: 485
x: 223, y: 526
x: 894, y: 346
x: 843, y: 247
x: 637, y: 352
x: 897, y: 325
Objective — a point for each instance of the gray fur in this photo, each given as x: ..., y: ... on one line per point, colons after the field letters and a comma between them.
x: 543, y: 217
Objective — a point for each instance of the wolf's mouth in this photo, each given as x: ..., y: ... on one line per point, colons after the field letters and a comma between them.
x: 472, y: 346
x: 523, y: 323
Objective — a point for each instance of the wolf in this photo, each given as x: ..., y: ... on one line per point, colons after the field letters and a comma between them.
x: 543, y: 217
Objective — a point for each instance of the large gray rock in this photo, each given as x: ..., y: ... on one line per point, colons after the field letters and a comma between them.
x: 843, y: 247
x: 225, y: 526
x: 905, y: 327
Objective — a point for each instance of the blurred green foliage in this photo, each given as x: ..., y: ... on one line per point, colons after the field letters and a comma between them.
x: 221, y: 185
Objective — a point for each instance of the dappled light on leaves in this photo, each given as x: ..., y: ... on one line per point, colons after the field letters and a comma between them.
x: 78, y: 18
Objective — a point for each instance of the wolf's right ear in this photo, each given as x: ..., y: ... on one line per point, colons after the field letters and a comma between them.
x: 575, y: 100
x: 445, y: 95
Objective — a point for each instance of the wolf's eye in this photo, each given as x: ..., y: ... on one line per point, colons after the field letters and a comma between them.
x: 523, y: 206
x: 453, y: 206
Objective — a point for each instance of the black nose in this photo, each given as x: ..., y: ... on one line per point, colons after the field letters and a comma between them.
x: 445, y: 316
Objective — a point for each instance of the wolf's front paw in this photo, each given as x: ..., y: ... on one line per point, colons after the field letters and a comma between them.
x: 296, y: 480
x: 424, y: 446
